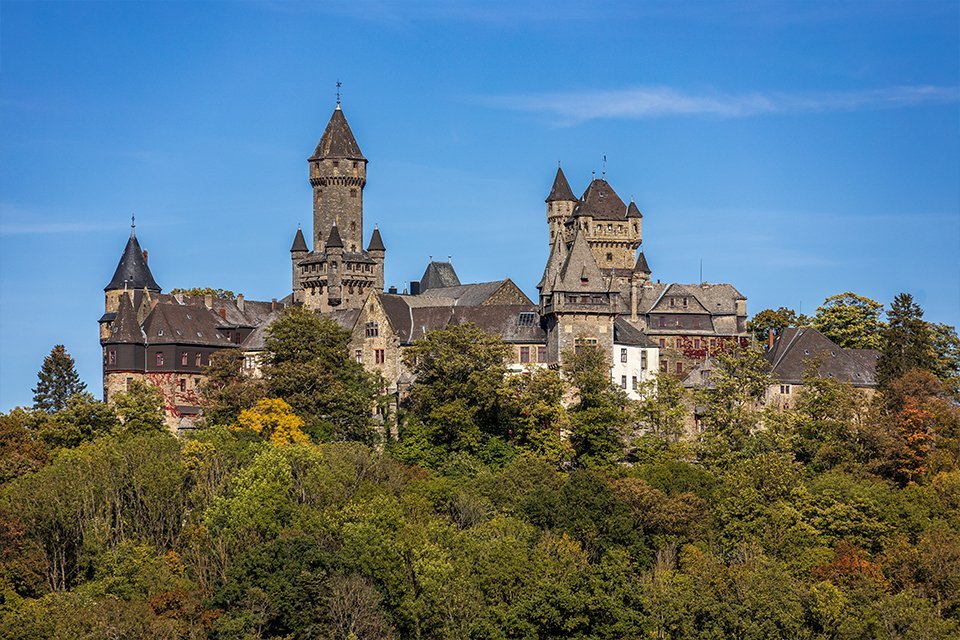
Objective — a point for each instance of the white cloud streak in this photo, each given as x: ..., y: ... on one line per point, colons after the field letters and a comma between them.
x: 573, y: 107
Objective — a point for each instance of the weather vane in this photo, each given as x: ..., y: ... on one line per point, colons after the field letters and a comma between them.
x: 133, y: 221
x: 339, y: 84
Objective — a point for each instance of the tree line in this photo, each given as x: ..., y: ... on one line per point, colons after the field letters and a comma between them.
x: 544, y: 504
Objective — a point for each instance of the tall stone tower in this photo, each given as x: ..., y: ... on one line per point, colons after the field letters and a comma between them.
x: 338, y: 174
x: 560, y: 205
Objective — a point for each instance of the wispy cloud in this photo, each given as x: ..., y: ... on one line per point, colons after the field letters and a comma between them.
x: 573, y: 107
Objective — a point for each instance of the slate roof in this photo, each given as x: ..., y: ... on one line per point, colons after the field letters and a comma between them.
x: 124, y: 329
x: 600, y: 202
x: 795, y: 347
x: 183, y: 324
x: 439, y: 274
x: 337, y: 140
x: 641, y: 266
x: 132, y: 270
x: 346, y: 318
x: 229, y: 314
x: 255, y: 340
x: 464, y: 295
x: 633, y: 211
x: 554, y: 264
x: 299, y: 244
x: 626, y: 334
x: 580, y: 273
x: 561, y: 189
x: 376, y: 242
x: 334, y: 240
x: 717, y: 299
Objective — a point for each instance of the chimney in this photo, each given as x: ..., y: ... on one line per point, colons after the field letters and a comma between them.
x: 273, y: 305
x: 392, y: 290
x: 208, y: 301
x: 414, y: 287
x: 769, y: 339
x: 240, y: 302
x: 146, y: 255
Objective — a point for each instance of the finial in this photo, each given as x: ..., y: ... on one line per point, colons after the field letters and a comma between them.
x: 133, y: 224
x: 339, y: 84
x: 593, y: 175
x: 298, y: 226
x: 450, y: 259
x: 558, y: 164
x: 375, y: 226
x: 603, y: 173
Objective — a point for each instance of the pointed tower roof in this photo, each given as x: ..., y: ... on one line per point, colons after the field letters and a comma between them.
x: 641, y: 266
x: 580, y: 272
x: 132, y: 271
x: 299, y: 244
x: 633, y: 211
x: 438, y: 275
x: 124, y: 328
x: 337, y: 140
x: 561, y: 189
x: 558, y: 251
x: 376, y: 242
x: 334, y: 240
x: 601, y: 202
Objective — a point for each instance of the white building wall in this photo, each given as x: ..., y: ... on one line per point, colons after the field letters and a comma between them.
x: 629, y: 365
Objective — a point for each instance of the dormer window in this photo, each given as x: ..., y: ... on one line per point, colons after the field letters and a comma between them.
x: 609, y: 257
x: 526, y: 319
x: 336, y: 163
x: 159, y: 332
x: 199, y: 334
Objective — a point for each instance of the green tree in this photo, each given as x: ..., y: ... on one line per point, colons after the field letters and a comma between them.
x: 82, y: 420
x: 227, y: 391
x: 599, y: 418
x: 851, y: 321
x: 946, y: 347
x: 908, y: 341
x: 199, y: 292
x: 140, y: 409
x: 777, y: 320
x: 58, y: 381
x: 20, y: 452
x: 825, y: 409
x: 307, y: 364
x: 536, y: 415
x: 661, y: 411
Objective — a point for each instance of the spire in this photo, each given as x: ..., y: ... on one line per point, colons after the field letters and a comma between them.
x: 580, y: 272
x: 633, y: 211
x: 601, y: 202
x: 334, y: 240
x: 337, y: 141
x: 561, y: 188
x: 641, y: 266
x: 124, y: 328
x: 299, y: 244
x: 554, y: 264
x: 376, y: 242
x: 132, y: 271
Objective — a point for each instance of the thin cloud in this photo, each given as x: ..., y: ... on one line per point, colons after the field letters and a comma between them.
x: 573, y: 107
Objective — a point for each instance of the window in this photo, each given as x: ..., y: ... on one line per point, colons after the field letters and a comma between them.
x: 679, y: 343
x: 634, y: 383
x: 580, y: 343
x: 129, y: 382
x: 378, y: 356
x: 684, y: 302
x: 663, y: 343
x: 112, y: 357
x: 353, y: 193
x: 524, y: 354
x: 665, y: 365
x: 623, y: 382
x: 673, y: 302
x: 183, y: 385
x: 358, y: 356
x: 785, y: 389
x: 643, y: 360
x: 526, y: 319
x: 159, y: 359
x: 623, y: 355
x: 196, y: 382
x: 184, y: 358
x: 696, y: 343
x: 250, y: 362
x: 679, y: 368
x: 609, y: 257
x: 354, y: 164
x: 541, y: 354
x: 336, y: 163
x: 198, y: 360
x: 371, y: 330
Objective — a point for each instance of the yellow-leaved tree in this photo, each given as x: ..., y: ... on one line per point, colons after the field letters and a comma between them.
x: 275, y: 421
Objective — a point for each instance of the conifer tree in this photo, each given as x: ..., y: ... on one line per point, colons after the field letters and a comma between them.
x: 908, y: 341
x: 58, y: 381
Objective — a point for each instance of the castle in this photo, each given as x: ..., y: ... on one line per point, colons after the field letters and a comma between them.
x: 596, y: 289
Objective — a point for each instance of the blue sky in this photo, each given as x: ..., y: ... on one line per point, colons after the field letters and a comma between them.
x: 798, y: 149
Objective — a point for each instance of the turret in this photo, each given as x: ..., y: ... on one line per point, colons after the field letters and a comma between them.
x: 132, y: 273
x: 334, y: 251
x: 297, y: 253
x: 560, y: 203
x: 377, y: 251
x: 338, y: 174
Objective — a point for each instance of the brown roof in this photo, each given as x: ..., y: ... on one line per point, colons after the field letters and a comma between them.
x: 601, y: 202
x: 561, y: 189
x: 794, y: 348
x: 717, y: 299
x: 337, y: 140
x: 183, y: 324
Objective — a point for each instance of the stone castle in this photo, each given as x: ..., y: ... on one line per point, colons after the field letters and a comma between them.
x: 596, y: 289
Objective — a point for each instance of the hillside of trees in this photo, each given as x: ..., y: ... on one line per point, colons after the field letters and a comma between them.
x: 492, y: 506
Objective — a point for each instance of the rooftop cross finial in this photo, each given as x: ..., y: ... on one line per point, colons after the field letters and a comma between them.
x: 339, y: 84
x: 133, y: 224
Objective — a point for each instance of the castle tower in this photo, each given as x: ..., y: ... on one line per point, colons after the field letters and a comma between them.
x: 560, y: 203
x: 297, y: 253
x: 132, y: 273
x: 334, y: 251
x: 378, y: 253
x: 338, y: 174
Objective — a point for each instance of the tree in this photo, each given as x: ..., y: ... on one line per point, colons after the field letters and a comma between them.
x: 456, y: 402
x: 82, y: 420
x: 946, y: 347
x: 598, y: 419
x: 760, y: 324
x: 908, y: 341
x: 536, y: 414
x: 825, y: 410
x: 307, y: 364
x: 661, y: 412
x: 140, y: 409
x: 851, y: 321
x: 58, y: 381
x: 226, y: 391
x: 199, y: 292
x: 20, y: 453
x: 274, y: 420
